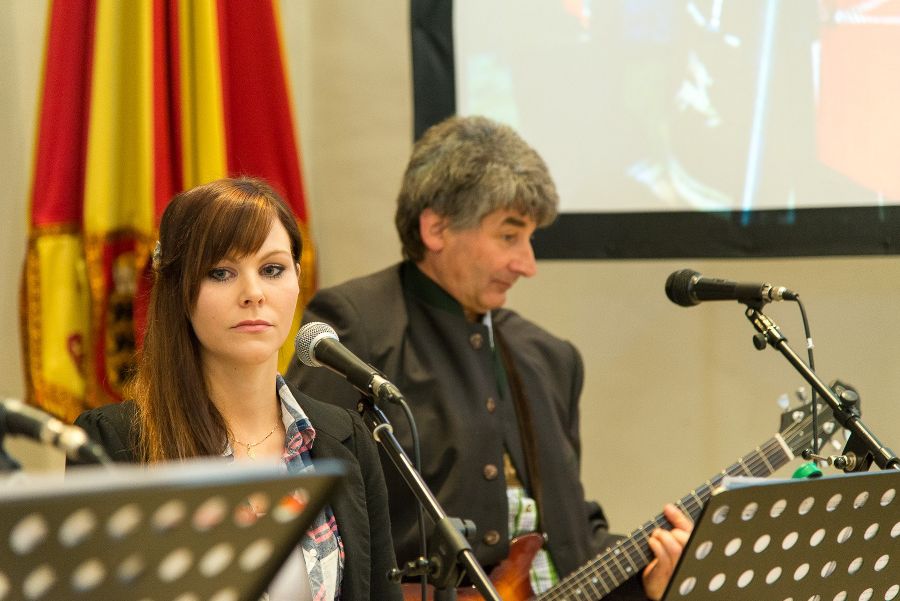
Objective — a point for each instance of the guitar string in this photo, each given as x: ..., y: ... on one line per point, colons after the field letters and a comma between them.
x: 642, y: 533
x: 757, y: 461
x: 640, y: 552
x: 581, y: 579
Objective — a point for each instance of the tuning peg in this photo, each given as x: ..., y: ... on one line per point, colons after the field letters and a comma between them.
x: 802, y: 394
x: 842, y: 462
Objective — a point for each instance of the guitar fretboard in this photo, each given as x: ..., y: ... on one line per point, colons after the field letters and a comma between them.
x: 629, y: 556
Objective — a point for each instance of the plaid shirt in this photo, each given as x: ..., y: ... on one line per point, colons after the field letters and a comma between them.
x: 523, y: 519
x: 323, y: 550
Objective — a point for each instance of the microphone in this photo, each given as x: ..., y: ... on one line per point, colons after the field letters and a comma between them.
x: 688, y: 288
x: 317, y: 345
x: 18, y: 418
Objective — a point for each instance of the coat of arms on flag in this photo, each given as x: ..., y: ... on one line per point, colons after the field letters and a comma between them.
x: 140, y: 100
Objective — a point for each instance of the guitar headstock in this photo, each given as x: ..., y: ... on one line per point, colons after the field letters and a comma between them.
x: 796, y: 423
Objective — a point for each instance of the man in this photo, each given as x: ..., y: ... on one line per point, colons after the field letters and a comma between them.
x: 494, y: 396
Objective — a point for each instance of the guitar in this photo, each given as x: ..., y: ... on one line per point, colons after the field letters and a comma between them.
x: 601, y: 575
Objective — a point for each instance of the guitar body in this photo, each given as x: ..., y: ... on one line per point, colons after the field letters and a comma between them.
x: 510, y: 577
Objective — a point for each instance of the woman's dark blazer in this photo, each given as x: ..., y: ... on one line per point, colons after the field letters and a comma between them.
x: 360, y: 507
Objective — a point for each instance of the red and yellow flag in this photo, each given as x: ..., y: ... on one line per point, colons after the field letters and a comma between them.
x: 140, y: 100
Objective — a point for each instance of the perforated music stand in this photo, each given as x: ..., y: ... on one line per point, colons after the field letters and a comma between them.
x: 200, y: 530
x: 830, y: 539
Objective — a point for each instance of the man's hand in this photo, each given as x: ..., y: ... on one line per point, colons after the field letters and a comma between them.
x: 667, y: 546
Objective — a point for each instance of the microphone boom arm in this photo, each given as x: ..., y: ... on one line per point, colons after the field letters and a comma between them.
x: 861, y: 437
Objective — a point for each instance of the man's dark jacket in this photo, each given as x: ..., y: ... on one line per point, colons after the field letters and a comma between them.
x: 443, y: 365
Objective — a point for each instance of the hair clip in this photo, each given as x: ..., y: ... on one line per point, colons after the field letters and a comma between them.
x: 157, y: 255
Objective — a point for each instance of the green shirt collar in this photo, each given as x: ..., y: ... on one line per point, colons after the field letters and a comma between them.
x: 420, y: 286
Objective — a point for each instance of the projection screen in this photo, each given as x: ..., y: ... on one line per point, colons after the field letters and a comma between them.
x: 720, y: 128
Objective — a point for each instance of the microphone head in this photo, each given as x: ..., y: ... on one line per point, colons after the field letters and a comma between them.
x: 307, y: 338
x: 678, y: 287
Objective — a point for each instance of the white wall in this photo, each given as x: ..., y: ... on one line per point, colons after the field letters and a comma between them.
x: 21, y: 41
x: 672, y: 395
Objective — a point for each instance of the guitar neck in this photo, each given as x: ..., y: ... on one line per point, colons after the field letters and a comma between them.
x: 629, y: 556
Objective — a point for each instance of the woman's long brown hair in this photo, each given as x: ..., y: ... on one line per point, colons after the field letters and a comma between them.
x: 176, y: 418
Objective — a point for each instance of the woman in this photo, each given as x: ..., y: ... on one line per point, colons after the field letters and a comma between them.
x: 227, y: 266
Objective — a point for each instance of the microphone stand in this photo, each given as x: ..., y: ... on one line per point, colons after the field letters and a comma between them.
x: 7, y: 463
x: 454, y: 550
x: 862, y: 446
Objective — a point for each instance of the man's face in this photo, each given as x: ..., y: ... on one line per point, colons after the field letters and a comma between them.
x: 478, y: 265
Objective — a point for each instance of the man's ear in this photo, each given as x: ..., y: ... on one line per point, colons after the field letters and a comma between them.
x: 432, y: 228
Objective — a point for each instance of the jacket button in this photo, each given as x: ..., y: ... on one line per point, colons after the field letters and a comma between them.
x: 491, y: 537
x: 491, y: 404
x: 490, y: 471
x: 476, y: 340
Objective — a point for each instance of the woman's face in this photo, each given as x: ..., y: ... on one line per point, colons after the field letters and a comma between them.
x: 245, y: 306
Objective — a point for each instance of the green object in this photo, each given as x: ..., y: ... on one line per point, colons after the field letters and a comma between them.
x: 808, y: 470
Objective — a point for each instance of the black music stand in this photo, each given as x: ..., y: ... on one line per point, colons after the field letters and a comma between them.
x: 201, y: 530
x: 829, y: 539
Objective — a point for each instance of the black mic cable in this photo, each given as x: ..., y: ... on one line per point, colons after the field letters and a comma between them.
x: 812, y: 366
